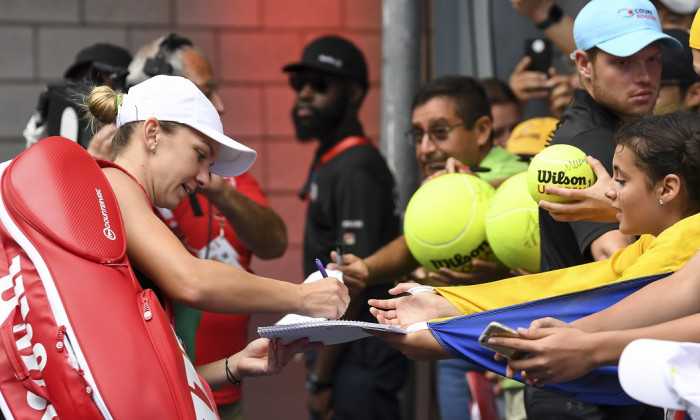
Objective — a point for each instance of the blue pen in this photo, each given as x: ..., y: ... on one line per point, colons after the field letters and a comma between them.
x: 322, y: 269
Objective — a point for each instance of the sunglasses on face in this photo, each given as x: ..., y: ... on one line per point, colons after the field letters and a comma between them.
x: 318, y: 82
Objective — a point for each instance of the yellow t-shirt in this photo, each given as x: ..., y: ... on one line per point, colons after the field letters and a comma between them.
x: 647, y: 256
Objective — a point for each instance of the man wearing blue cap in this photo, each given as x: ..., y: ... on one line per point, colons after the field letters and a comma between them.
x: 618, y: 58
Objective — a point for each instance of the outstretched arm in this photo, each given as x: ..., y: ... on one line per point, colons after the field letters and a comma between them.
x: 406, y: 310
x: 562, y: 354
x: 420, y: 345
x: 206, y: 284
x: 258, y: 227
x: 666, y: 309
x: 560, y: 33
x: 391, y: 262
x: 672, y: 297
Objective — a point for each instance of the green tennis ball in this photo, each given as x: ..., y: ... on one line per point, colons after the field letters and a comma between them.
x: 561, y: 165
x: 444, y: 222
x: 512, y: 225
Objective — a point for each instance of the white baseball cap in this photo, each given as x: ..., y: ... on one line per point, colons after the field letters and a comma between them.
x: 662, y: 373
x: 177, y: 99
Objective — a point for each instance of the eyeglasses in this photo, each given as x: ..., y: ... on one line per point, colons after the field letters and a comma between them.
x: 318, y: 82
x: 415, y: 135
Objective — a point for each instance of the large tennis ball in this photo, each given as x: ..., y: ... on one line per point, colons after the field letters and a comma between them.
x: 561, y: 165
x: 512, y: 225
x: 444, y: 222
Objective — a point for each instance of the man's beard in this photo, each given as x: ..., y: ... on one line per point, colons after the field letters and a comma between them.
x: 322, y: 122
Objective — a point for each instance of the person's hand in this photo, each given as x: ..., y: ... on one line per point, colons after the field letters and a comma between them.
x: 588, y: 204
x: 546, y: 322
x: 528, y: 84
x: 216, y: 186
x: 484, y: 272
x: 101, y: 144
x: 325, y: 298
x: 419, y: 345
x: 406, y: 310
x: 535, y: 10
x: 452, y: 166
x: 561, y: 95
x: 554, y: 88
x: 319, y: 404
x: 265, y: 357
x: 549, y: 322
x: 355, y: 272
x: 556, y: 354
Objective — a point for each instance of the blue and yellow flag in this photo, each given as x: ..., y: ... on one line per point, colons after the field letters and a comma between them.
x: 566, y: 294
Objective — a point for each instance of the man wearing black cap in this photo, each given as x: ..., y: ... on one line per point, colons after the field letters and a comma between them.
x: 350, y: 194
x: 680, y: 85
x: 105, y: 63
x: 56, y: 114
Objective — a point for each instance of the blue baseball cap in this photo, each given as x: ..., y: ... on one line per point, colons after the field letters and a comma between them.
x: 620, y: 27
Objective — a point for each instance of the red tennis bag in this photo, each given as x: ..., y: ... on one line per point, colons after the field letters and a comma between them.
x: 79, y: 338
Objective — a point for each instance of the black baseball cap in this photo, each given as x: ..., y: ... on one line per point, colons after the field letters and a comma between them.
x: 333, y: 55
x: 104, y: 53
x: 678, y: 65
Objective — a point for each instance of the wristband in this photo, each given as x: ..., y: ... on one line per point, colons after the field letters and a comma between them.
x: 229, y: 375
x: 554, y: 15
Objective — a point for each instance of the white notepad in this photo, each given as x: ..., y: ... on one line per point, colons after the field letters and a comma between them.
x: 293, y: 327
x: 325, y: 331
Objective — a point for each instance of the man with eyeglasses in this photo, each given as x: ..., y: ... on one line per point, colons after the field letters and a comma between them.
x: 351, y: 206
x: 452, y: 122
x: 451, y: 132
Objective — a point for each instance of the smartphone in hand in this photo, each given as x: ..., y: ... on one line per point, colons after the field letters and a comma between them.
x: 540, y: 52
x: 496, y: 329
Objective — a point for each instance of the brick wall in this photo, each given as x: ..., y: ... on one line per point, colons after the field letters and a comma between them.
x: 248, y: 42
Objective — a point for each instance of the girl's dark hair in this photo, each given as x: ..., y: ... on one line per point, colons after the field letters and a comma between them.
x: 666, y: 144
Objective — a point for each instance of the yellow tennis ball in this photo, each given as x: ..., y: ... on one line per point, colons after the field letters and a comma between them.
x: 561, y: 165
x: 444, y: 222
x: 512, y: 225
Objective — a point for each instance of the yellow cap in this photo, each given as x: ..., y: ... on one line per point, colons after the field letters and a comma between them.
x: 531, y: 136
x: 695, y: 32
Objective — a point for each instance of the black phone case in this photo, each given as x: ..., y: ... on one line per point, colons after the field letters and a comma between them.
x: 540, y: 52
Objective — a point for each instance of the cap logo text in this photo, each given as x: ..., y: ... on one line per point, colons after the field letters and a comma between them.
x: 335, y: 62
